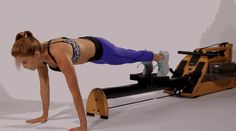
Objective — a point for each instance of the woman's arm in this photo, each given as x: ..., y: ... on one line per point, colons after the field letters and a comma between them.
x: 66, y: 66
x: 44, y: 92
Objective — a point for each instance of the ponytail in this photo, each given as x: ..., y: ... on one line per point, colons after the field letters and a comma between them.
x: 25, y: 34
x: 25, y: 44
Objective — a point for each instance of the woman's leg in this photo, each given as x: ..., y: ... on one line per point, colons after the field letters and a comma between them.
x: 116, y: 55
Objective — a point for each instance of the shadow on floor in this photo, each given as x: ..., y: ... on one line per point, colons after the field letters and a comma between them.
x: 9, y: 107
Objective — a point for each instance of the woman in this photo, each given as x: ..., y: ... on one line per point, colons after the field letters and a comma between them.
x: 61, y: 54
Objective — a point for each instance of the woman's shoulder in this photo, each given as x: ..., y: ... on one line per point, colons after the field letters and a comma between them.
x: 54, y: 40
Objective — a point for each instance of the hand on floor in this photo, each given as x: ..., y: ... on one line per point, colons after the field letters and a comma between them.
x: 41, y: 119
x: 81, y: 128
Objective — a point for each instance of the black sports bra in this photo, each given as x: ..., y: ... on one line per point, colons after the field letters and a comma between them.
x: 76, y: 49
x: 75, y: 46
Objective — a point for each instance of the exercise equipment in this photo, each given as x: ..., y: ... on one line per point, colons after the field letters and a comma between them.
x: 200, y: 72
x: 207, y: 70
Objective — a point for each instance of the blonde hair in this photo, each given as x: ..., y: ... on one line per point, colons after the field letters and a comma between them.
x: 25, y: 45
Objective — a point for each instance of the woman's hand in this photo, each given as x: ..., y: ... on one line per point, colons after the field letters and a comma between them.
x: 81, y: 128
x: 41, y: 119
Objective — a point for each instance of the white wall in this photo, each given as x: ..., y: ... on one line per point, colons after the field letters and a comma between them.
x: 149, y: 24
x: 223, y: 28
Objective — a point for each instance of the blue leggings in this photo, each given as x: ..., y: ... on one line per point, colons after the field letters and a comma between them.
x: 116, y: 56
